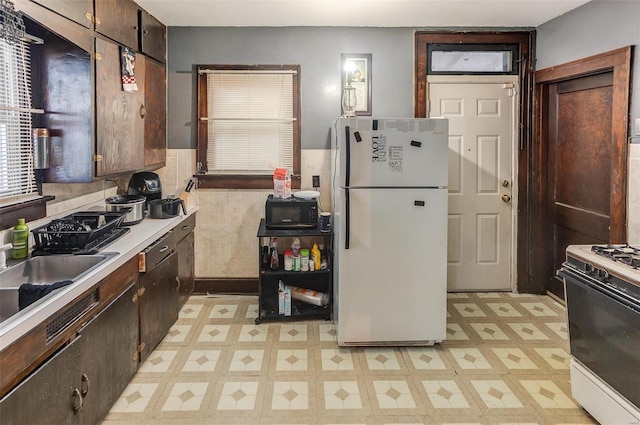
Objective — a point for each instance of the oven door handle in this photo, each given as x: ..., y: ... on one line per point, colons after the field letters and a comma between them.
x: 588, y: 283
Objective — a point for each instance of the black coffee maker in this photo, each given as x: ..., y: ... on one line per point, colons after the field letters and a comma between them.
x: 145, y: 183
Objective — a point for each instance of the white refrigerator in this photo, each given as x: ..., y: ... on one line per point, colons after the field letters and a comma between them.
x: 389, y: 178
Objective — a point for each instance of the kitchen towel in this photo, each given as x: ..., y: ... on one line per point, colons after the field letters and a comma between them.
x: 28, y: 293
x: 128, y: 69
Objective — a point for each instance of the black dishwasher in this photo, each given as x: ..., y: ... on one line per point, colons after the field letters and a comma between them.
x: 158, y: 293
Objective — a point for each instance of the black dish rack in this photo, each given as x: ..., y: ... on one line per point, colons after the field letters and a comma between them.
x: 83, y: 232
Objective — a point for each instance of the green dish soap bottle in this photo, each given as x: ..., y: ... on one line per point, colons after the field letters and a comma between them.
x: 20, y: 240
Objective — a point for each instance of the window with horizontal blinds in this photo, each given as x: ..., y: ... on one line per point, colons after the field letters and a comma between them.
x: 250, y: 122
x: 17, y: 177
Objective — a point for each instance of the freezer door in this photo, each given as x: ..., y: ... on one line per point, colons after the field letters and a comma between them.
x: 392, y: 152
x: 390, y: 284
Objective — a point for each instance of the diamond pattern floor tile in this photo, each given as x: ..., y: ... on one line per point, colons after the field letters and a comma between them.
x: 504, y: 361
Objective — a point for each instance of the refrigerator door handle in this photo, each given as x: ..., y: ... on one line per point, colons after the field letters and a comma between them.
x: 347, y: 146
x: 346, y: 218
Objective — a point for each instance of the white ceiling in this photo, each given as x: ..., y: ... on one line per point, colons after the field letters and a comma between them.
x: 372, y: 13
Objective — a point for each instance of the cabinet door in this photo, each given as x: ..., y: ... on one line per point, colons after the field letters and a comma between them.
x: 108, y: 357
x: 49, y: 395
x: 118, y: 20
x: 153, y: 37
x: 80, y: 11
x: 155, y: 122
x: 186, y: 268
x: 158, y: 303
x: 119, y: 114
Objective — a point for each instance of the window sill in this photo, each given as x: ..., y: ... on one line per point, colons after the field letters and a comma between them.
x: 33, y: 209
x: 240, y: 181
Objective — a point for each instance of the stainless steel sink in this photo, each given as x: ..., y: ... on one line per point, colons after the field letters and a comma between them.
x: 43, y: 271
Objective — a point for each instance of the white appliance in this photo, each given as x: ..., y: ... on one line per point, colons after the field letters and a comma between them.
x: 602, y: 293
x: 389, y: 179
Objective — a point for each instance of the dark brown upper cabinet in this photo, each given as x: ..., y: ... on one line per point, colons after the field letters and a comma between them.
x: 97, y: 129
x: 153, y: 37
x: 155, y: 121
x: 80, y: 11
x: 119, y: 115
x: 118, y: 20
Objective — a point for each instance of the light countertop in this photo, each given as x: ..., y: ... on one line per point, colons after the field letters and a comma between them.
x: 141, y: 235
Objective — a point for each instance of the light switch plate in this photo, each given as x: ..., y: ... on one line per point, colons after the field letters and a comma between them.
x: 637, y: 127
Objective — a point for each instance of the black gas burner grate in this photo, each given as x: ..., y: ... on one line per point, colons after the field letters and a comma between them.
x: 623, y: 254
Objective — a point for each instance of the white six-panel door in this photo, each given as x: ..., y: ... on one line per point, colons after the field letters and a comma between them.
x: 482, y: 117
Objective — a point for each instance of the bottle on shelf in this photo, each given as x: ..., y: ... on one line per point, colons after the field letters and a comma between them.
x: 275, y: 262
x: 288, y: 260
x: 315, y: 258
x: 266, y: 257
x: 323, y: 257
x: 295, y: 246
x: 304, y: 260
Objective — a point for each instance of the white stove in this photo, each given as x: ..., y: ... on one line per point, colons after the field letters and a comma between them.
x: 602, y: 290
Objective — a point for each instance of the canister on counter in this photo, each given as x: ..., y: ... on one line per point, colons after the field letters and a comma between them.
x: 288, y: 260
x: 304, y: 260
x: 325, y: 221
x: 296, y: 262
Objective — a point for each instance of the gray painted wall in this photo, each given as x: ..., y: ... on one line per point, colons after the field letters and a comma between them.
x: 316, y: 50
x: 596, y: 27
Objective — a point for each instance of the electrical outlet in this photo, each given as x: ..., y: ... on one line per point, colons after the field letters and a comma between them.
x: 316, y: 181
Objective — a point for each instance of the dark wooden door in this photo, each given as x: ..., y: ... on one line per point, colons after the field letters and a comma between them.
x: 50, y: 394
x: 186, y: 268
x: 155, y: 121
x: 80, y: 11
x: 118, y: 20
x: 582, y: 163
x: 119, y: 114
x: 579, y: 176
x: 158, y: 303
x: 153, y: 36
x: 108, y: 358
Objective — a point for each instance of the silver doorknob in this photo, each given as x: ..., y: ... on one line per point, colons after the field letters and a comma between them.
x: 506, y: 198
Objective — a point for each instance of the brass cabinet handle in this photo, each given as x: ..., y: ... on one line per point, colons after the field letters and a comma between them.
x: 179, y: 283
x: 77, y: 406
x: 84, y: 388
x: 143, y: 111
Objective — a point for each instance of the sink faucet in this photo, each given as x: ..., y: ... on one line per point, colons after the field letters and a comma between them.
x: 3, y: 255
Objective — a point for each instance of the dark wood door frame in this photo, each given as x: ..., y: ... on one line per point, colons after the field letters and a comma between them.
x: 525, y: 41
x: 619, y: 63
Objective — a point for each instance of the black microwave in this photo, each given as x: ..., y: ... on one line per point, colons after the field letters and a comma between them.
x: 291, y: 213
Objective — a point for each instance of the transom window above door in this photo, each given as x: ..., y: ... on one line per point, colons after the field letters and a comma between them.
x: 249, y: 125
x: 472, y: 59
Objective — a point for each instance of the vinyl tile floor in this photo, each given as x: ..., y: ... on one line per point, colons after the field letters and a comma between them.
x: 505, y: 361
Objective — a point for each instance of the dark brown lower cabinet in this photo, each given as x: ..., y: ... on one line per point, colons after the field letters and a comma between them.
x: 186, y: 268
x: 80, y: 382
x: 158, y: 303
x: 50, y: 394
x: 108, y: 356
